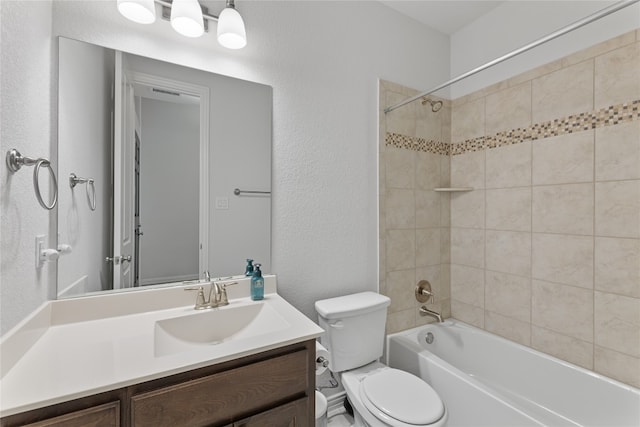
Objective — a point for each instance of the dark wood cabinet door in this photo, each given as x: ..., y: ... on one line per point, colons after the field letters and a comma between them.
x: 294, y: 414
x: 224, y: 397
x: 107, y: 415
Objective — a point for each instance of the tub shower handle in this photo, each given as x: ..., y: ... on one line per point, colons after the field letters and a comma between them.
x: 423, y: 291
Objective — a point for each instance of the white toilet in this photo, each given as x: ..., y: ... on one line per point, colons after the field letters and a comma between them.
x: 380, y: 396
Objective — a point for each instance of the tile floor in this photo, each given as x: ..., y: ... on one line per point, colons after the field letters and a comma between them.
x: 340, y: 420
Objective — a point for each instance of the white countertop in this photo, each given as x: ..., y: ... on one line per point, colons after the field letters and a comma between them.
x: 75, y: 348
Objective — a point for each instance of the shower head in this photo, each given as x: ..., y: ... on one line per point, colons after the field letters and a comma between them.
x: 435, y: 105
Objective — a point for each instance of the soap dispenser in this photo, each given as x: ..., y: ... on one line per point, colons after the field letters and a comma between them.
x: 257, y: 284
x: 248, y: 271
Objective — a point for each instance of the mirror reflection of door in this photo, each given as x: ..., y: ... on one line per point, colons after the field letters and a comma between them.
x: 156, y: 210
x: 167, y: 193
x: 126, y: 125
x: 137, y: 230
x: 234, y: 138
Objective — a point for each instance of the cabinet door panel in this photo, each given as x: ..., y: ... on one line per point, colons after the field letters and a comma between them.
x: 224, y: 397
x: 107, y: 415
x: 292, y: 414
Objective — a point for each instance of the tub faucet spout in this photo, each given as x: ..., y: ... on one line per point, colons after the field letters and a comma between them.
x: 426, y: 312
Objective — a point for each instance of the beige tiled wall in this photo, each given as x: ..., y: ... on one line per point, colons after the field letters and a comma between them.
x: 414, y: 219
x: 546, y: 250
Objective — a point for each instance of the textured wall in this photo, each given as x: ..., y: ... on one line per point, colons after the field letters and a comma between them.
x: 323, y: 60
x: 514, y: 24
x: 27, y: 122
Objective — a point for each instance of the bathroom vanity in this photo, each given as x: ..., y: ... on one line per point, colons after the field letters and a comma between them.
x: 274, y: 387
x: 245, y: 364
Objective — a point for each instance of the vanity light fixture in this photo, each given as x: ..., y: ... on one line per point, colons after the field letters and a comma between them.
x: 231, y: 33
x: 140, y: 11
x: 186, y: 18
x: 189, y: 18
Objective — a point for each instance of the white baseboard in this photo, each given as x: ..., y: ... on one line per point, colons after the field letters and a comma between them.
x: 335, y: 404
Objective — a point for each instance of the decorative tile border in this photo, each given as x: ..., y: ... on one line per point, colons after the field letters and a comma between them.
x: 417, y: 144
x: 609, y: 116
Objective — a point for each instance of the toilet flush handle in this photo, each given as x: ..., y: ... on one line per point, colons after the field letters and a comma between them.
x: 337, y: 325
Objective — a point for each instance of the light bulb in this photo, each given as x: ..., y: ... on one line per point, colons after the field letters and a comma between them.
x: 186, y: 18
x: 140, y: 11
x: 231, y: 32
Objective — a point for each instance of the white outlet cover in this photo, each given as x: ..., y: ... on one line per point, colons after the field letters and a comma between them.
x: 222, y: 203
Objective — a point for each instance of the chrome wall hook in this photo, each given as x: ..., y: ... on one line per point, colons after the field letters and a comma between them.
x: 15, y: 161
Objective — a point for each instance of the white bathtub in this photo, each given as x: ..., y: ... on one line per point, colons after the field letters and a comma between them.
x: 485, y: 380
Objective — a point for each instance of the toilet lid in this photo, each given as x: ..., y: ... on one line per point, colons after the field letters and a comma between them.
x: 403, y: 397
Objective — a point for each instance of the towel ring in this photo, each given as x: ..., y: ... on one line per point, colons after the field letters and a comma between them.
x: 15, y: 161
x: 90, y: 189
x: 91, y: 198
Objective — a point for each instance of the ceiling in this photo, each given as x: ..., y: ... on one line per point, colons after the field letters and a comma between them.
x: 444, y: 16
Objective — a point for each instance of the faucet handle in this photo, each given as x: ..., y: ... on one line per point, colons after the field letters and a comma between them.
x: 424, y: 292
x: 200, y: 300
x: 224, y: 300
x: 224, y: 285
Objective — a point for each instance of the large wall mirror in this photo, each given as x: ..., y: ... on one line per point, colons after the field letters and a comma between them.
x: 151, y: 156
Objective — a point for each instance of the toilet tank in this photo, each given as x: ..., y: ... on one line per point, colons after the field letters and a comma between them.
x: 354, y: 328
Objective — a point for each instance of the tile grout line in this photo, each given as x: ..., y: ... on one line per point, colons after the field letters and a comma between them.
x: 531, y: 228
x: 484, y: 186
x: 593, y: 247
x: 531, y: 231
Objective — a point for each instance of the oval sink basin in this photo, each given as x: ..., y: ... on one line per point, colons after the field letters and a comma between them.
x: 214, y: 327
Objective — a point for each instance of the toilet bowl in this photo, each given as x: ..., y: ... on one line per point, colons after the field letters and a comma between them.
x: 380, y: 396
x: 383, y: 396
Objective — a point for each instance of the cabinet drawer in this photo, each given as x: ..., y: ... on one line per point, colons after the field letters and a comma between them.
x: 294, y: 414
x: 225, y: 396
x: 99, y: 416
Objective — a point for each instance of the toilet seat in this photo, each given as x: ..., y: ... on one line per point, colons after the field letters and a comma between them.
x: 400, y: 399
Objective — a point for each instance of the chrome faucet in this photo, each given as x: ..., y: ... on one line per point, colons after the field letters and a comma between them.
x: 202, y: 302
x: 217, y: 293
x: 425, y: 294
x: 426, y: 312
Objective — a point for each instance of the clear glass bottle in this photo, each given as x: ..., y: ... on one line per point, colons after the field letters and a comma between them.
x: 257, y: 284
